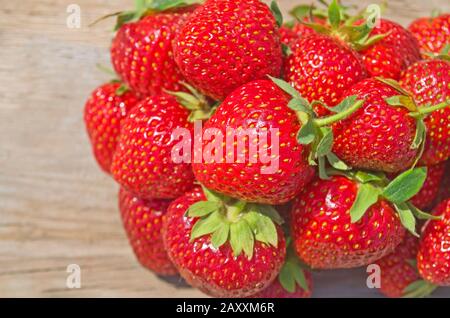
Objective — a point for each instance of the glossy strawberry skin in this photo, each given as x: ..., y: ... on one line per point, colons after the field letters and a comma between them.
x: 321, y: 68
x: 429, y: 82
x: 276, y: 290
x: 227, y: 43
x: 141, y: 53
x: 287, y: 36
x: 433, y: 34
x: 143, y: 221
x: 433, y: 259
x: 259, y: 104
x: 377, y: 136
x: 302, y: 30
x: 299, y: 30
x: 444, y: 189
x: 217, y: 272
x: 143, y: 163
x: 390, y: 56
x: 397, y: 272
x: 103, y: 115
x: 430, y: 189
x: 324, y: 236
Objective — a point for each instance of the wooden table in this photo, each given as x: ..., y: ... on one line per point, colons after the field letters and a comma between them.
x: 56, y: 207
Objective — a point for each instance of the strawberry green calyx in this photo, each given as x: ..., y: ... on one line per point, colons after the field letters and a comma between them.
x: 195, y: 102
x: 342, y: 26
x: 302, y: 12
x: 419, y: 288
x: 293, y: 272
x: 442, y: 55
x: 375, y: 186
x: 237, y: 222
x: 406, y: 100
x: 276, y: 13
x: 144, y: 8
x: 316, y: 131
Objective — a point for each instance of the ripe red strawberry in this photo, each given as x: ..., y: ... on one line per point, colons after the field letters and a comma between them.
x: 227, y: 43
x: 378, y: 136
x: 444, y: 189
x: 433, y: 259
x: 425, y: 198
x: 287, y: 36
x: 394, y: 53
x: 432, y: 33
x: 141, y: 52
x: 103, y: 114
x: 429, y: 83
x: 217, y: 266
x: 322, y: 229
x: 321, y: 68
x: 142, y: 163
x: 271, y: 143
x: 259, y: 104
x: 397, y: 270
x: 276, y: 290
x: 143, y: 222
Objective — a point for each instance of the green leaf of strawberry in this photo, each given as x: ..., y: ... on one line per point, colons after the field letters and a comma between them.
x: 237, y: 222
x: 220, y: 236
x: 366, y: 197
x: 337, y: 163
x: 406, y: 217
x: 203, y: 208
x: 419, y: 289
x: 276, y: 13
x: 307, y: 133
x: 207, y: 225
x: 405, y: 186
x: 326, y: 142
x: 334, y: 14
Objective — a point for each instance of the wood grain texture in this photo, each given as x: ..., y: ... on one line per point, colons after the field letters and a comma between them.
x: 56, y: 207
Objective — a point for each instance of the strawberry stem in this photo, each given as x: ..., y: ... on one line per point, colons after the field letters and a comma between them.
x: 326, y: 121
x: 429, y: 109
x: 234, y: 211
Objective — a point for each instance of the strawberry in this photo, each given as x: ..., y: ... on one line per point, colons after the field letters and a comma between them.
x: 397, y: 270
x: 329, y: 232
x: 141, y: 51
x: 291, y: 33
x: 432, y: 33
x: 287, y: 36
x: 263, y: 108
x: 276, y: 290
x: 428, y: 82
x: 386, y: 48
x: 143, y: 221
x: 103, y: 115
x: 427, y: 195
x: 227, y: 43
x: 212, y: 242
x: 378, y: 136
x: 142, y: 163
x: 433, y: 259
x: 389, y: 56
x: 444, y: 189
x: 294, y: 281
x: 321, y: 68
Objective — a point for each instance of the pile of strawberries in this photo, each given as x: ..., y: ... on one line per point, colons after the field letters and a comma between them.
x: 357, y: 114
